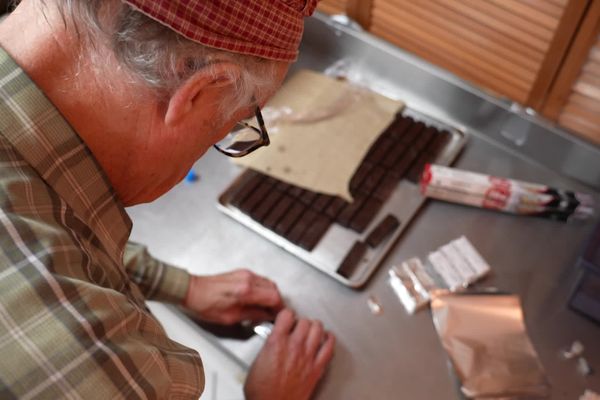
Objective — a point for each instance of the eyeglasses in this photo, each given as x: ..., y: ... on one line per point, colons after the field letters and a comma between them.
x: 245, y: 138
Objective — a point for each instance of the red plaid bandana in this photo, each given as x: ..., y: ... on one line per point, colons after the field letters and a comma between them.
x: 269, y: 29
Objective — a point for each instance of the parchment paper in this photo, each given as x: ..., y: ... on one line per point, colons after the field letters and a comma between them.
x: 321, y: 152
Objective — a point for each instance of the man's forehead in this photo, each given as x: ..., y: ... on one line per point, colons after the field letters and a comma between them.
x: 270, y: 29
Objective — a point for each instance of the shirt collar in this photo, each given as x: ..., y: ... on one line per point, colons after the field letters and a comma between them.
x: 37, y: 130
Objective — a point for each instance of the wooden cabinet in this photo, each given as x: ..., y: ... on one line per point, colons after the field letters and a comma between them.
x: 574, y: 100
x: 333, y: 6
x: 517, y: 49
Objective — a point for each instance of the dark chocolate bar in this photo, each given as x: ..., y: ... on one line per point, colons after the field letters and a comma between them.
x: 383, y: 230
x: 352, y: 259
x: 365, y: 215
x: 315, y: 232
x: 277, y: 212
x: 335, y: 207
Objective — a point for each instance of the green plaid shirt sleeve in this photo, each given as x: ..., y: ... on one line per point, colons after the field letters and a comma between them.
x: 157, y: 280
x: 73, y: 320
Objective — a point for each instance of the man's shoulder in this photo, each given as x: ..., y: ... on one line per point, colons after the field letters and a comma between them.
x: 39, y: 225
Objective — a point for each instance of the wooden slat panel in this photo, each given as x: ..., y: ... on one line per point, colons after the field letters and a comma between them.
x: 584, y: 102
x: 545, y: 7
x: 498, y: 44
x: 510, y: 19
x: 332, y: 6
x: 469, y: 32
x: 454, y: 64
x: 589, y: 86
x: 523, y: 10
x: 592, y: 67
x: 560, y: 3
x: 591, y: 116
x: 581, y: 112
x: 585, y: 47
x: 581, y: 126
x: 472, y: 10
x: 360, y: 11
x: 565, y: 31
x: 438, y: 37
x: 595, y: 54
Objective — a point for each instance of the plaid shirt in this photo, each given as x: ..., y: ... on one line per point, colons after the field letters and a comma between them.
x: 73, y: 322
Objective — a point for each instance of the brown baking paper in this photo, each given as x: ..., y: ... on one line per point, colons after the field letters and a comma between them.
x: 329, y: 129
x: 485, y: 338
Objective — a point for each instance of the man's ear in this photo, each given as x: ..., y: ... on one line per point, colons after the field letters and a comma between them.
x: 204, y: 87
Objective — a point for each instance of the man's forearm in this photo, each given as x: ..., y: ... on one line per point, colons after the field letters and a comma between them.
x: 157, y: 280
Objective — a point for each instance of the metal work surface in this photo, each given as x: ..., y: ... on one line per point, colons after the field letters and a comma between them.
x: 394, y: 355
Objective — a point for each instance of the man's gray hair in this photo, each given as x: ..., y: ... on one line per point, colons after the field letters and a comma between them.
x: 159, y: 57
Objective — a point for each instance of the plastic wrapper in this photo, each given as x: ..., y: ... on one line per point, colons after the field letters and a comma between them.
x: 507, y: 195
x: 453, y: 267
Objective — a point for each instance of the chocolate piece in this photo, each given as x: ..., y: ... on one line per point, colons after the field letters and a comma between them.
x: 401, y: 168
x: 295, y: 191
x: 307, y: 197
x: 394, y: 154
x: 266, y: 205
x: 249, y: 181
x: 282, y: 186
x: 335, y: 207
x: 384, y: 229
x: 386, y: 187
x: 278, y: 211
x: 254, y: 199
x: 414, y: 174
x: 305, y: 220
x: 321, y: 202
x: 352, y: 259
x: 400, y: 127
x: 315, y: 232
x: 372, y: 180
x: 289, y: 219
x: 359, y: 176
x: 379, y: 149
x: 348, y: 212
x: 425, y: 138
x: 435, y: 148
x: 366, y: 214
x: 412, y: 133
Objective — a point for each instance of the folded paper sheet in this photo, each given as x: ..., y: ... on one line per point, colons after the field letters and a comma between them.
x: 329, y: 128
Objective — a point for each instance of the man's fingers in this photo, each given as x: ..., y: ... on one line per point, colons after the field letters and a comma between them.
x: 253, y: 290
x: 301, y: 330
x: 314, y: 338
x: 284, y: 323
x: 259, y: 296
x: 264, y: 282
x: 325, y: 353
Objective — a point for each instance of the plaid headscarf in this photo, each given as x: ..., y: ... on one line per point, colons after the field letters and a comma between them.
x: 270, y: 29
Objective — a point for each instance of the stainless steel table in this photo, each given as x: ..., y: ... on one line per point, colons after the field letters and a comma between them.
x: 394, y: 355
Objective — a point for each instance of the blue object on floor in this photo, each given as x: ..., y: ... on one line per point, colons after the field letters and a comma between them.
x: 191, y: 177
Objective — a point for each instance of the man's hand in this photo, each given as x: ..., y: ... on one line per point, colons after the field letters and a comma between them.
x: 233, y: 297
x: 291, y: 362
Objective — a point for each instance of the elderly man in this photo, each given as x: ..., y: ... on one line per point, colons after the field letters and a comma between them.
x: 106, y: 104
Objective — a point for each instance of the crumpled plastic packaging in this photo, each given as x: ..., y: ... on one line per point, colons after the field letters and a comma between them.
x: 486, y: 340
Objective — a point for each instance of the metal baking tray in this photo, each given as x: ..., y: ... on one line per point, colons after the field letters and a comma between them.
x: 404, y: 203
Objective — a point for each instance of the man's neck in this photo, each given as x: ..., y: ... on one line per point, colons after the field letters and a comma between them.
x: 37, y: 38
